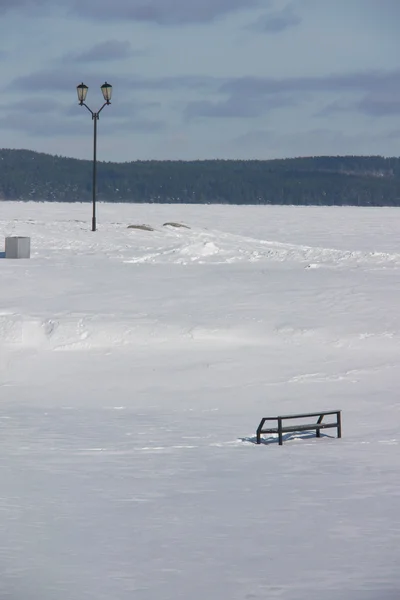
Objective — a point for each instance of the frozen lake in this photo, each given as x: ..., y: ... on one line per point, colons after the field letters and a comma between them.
x: 135, y: 367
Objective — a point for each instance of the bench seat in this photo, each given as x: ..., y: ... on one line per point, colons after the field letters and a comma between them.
x: 309, y: 427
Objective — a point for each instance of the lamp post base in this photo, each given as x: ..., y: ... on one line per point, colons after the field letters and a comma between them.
x: 93, y: 223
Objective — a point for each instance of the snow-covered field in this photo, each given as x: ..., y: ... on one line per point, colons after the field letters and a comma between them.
x: 134, y: 369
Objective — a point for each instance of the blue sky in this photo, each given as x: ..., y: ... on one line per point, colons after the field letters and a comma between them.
x: 195, y: 79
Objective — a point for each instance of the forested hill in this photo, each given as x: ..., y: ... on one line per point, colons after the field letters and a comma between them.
x: 341, y: 180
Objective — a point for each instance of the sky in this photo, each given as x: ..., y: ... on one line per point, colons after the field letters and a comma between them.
x: 202, y: 79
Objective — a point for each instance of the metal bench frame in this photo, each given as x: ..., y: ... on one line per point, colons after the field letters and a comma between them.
x: 281, y: 428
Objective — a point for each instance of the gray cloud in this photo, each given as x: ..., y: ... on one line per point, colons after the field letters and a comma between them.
x: 34, y: 106
x: 46, y: 117
x: 314, y: 142
x: 277, y: 21
x: 352, y: 82
x: 51, y: 80
x: 30, y: 7
x: 126, y: 109
x: 237, y: 106
x: 376, y: 104
x: 254, y: 137
x: 362, y: 81
x: 335, y: 107
x: 50, y: 125
x: 142, y: 126
x: 163, y: 12
x: 241, y: 97
x: 56, y: 80
x: 248, y: 97
x: 380, y: 104
x: 118, y: 110
x: 6, y: 5
x: 134, y: 124
x: 36, y: 125
x: 109, y: 50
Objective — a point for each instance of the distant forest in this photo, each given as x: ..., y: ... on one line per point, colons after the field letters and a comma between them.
x: 319, y: 180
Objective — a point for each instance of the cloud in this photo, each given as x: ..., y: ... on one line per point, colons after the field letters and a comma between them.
x: 255, y: 137
x: 35, y: 117
x: 142, y: 126
x: 335, y: 107
x: 48, y: 117
x: 249, y: 97
x: 314, y: 142
x: 110, y: 126
x: 239, y: 105
x: 6, y: 5
x: 179, y: 82
x: 42, y: 125
x: 133, y: 107
x: 380, y: 104
x: 239, y: 97
x: 28, y: 7
x: 374, y: 104
x: 56, y: 80
x: 350, y: 82
x: 277, y: 21
x: 162, y: 12
x: 52, y: 126
x: 118, y: 110
x: 34, y: 106
x: 50, y: 80
x: 380, y: 90
x: 109, y: 50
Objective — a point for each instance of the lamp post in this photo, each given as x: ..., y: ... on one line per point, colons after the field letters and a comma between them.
x: 82, y: 90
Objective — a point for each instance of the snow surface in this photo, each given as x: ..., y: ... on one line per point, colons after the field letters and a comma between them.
x: 135, y: 367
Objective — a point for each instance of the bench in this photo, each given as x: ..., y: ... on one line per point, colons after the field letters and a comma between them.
x: 317, y: 426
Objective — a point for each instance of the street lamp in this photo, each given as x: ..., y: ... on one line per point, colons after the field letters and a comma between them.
x: 82, y: 91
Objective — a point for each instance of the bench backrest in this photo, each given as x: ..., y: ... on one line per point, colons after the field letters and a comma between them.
x: 305, y: 415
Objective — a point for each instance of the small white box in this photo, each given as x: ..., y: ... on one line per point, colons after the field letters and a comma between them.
x: 18, y: 247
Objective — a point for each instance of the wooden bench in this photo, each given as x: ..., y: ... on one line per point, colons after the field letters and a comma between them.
x: 281, y: 428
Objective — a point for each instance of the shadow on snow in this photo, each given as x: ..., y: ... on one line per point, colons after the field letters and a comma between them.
x: 287, y: 437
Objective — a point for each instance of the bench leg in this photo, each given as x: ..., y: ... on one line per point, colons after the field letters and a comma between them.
x: 339, y: 425
x: 318, y: 431
x: 280, y: 432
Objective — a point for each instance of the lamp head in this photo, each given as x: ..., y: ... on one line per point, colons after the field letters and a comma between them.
x: 106, y: 89
x: 82, y: 91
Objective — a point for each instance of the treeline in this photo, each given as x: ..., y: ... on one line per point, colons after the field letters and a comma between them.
x: 321, y: 180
